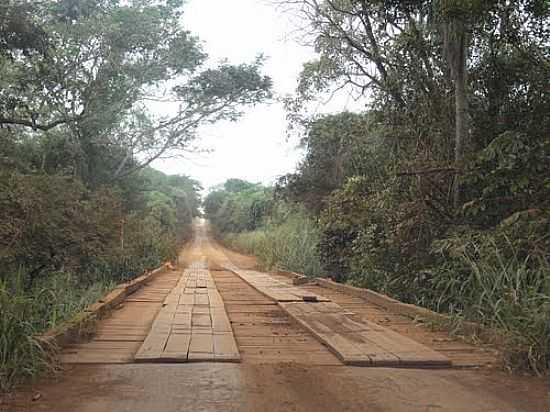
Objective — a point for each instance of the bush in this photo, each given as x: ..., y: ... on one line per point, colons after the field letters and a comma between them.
x: 53, y: 222
x: 375, y: 238
x: 499, y: 277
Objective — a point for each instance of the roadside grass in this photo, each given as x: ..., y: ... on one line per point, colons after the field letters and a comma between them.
x: 22, y: 355
x: 505, y: 290
x: 28, y: 311
x: 290, y: 246
x: 26, y: 314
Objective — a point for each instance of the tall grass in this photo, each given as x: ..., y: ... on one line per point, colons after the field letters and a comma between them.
x: 22, y: 355
x: 290, y: 245
x: 26, y: 314
x: 496, y: 283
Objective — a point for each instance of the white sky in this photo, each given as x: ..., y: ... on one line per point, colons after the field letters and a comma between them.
x: 254, y: 148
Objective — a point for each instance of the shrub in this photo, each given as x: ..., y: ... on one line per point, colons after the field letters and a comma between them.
x: 53, y: 222
x: 375, y: 238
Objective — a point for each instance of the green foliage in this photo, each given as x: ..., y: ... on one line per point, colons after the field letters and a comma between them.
x: 21, y: 354
x: 26, y: 313
x: 239, y: 206
x: 338, y: 146
x: 289, y: 243
x: 126, y: 54
x: 374, y: 231
x: 68, y: 245
x: 50, y: 222
x: 250, y: 220
x: 450, y: 155
x: 512, y: 178
x: 500, y: 278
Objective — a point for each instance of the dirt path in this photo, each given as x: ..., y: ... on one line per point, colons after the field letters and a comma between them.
x: 283, y: 368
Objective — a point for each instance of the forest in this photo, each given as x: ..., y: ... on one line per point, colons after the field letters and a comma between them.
x: 81, y: 208
x: 438, y: 193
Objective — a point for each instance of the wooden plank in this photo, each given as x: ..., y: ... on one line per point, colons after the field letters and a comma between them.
x: 340, y: 323
x: 377, y: 355
x: 409, y: 352
x: 200, y: 319
x: 345, y: 349
x: 177, y: 348
x: 187, y: 299
x: 225, y: 348
x: 215, y: 299
x: 161, y: 327
x: 277, y: 290
x: 201, y: 300
x: 182, y: 320
x: 152, y: 347
x: 303, y: 294
x: 330, y: 307
x: 201, y: 343
x: 185, y: 308
x: 354, y: 342
x: 202, y: 309
x: 192, y: 325
x: 220, y: 321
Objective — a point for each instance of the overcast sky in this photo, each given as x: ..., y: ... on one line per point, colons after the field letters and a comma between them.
x: 254, y: 148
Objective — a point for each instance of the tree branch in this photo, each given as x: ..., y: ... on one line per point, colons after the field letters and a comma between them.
x: 33, y: 125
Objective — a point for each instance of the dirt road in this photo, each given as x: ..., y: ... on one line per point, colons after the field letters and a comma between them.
x: 283, y: 367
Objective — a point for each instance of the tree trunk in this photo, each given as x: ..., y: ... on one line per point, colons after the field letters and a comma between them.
x: 461, y: 130
x: 456, y: 48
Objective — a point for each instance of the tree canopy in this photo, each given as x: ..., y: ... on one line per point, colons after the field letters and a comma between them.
x: 92, y: 71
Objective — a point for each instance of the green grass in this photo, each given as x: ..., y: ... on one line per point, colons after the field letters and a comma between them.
x: 22, y: 355
x: 290, y: 246
x: 508, y: 291
x: 27, y: 314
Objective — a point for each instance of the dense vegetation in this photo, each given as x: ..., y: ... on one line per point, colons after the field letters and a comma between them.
x: 248, y: 218
x: 439, y: 192
x: 81, y: 209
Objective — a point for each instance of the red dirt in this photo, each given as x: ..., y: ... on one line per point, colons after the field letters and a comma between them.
x: 283, y: 369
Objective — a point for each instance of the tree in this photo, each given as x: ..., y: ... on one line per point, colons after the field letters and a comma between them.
x: 239, y: 206
x: 406, y: 58
x: 100, y: 68
x: 457, y: 16
x: 337, y: 147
